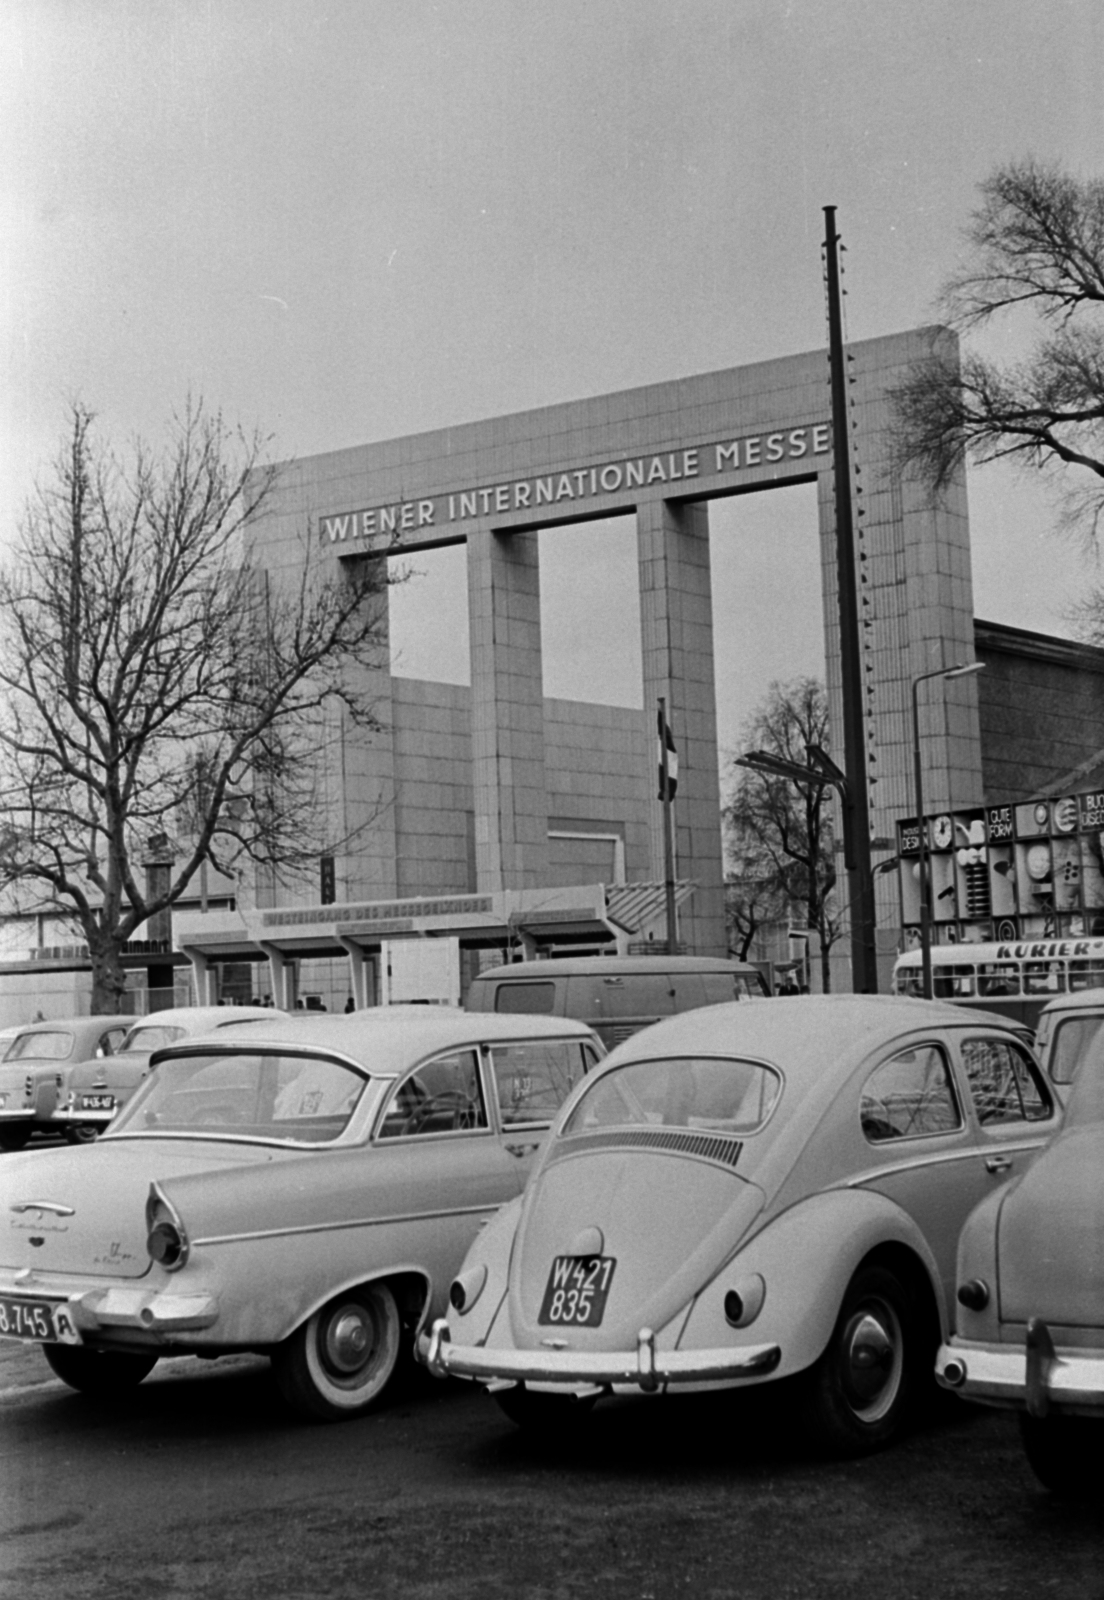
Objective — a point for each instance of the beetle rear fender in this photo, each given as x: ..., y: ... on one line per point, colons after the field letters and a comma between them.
x: 492, y: 1249
x: 806, y: 1257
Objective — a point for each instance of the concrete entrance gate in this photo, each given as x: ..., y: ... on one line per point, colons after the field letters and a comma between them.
x: 660, y: 452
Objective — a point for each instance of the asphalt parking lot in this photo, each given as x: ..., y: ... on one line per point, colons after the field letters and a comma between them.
x: 200, y: 1485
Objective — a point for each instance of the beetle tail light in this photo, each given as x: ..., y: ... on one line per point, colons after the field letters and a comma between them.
x: 166, y: 1239
x: 466, y: 1289
x: 744, y: 1301
x: 973, y: 1295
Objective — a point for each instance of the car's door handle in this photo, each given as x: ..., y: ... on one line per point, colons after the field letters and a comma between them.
x: 523, y: 1149
x: 998, y: 1163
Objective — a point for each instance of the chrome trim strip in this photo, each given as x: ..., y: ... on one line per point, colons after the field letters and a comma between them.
x: 341, y: 1227
x: 931, y: 1158
x: 43, y: 1205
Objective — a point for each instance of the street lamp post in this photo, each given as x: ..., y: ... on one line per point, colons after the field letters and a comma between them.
x: 962, y: 670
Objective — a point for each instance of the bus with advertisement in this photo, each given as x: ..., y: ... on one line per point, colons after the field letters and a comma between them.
x: 1014, y: 977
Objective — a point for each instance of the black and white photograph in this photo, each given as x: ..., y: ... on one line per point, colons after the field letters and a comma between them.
x: 551, y: 799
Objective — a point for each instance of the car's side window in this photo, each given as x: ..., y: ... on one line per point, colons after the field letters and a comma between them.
x: 908, y: 1096
x: 441, y: 1096
x: 532, y: 1080
x: 1003, y: 1083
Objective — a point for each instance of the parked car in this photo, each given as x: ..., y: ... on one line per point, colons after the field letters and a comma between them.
x: 36, y: 1062
x: 615, y: 995
x: 751, y: 1193
x: 92, y: 1091
x: 306, y: 1189
x: 1067, y: 1028
x: 1030, y: 1325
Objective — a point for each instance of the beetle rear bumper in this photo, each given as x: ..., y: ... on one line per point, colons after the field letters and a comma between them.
x: 1033, y: 1377
x: 646, y: 1367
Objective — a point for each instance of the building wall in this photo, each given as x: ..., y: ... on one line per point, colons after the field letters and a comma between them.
x: 594, y: 758
x: 1041, y: 709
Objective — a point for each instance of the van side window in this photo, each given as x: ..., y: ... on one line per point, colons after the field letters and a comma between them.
x: 526, y: 999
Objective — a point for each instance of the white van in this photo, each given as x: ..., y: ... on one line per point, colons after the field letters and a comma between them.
x: 615, y: 995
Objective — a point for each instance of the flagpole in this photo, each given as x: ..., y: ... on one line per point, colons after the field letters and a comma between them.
x: 668, y: 843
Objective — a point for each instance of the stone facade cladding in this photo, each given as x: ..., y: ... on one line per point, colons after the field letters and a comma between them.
x: 1041, y: 708
x: 595, y: 757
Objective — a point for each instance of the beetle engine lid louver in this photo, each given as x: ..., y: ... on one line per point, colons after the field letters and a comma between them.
x: 721, y: 1148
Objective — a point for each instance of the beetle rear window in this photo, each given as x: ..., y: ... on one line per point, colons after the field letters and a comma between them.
x: 1072, y: 1038
x: 721, y: 1093
x: 268, y: 1095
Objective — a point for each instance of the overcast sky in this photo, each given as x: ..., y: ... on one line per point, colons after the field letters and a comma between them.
x: 345, y: 220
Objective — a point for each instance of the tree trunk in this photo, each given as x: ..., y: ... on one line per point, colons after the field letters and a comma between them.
x: 108, y: 978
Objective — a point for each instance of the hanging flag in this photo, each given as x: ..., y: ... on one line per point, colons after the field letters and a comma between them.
x: 665, y: 741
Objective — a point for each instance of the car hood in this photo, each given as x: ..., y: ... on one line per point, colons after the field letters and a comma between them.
x: 83, y: 1210
x: 1050, y: 1238
x: 669, y: 1221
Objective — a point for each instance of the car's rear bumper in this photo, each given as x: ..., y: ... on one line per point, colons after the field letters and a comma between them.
x: 646, y: 1367
x: 18, y: 1114
x: 1034, y: 1376
x: 74, y: 1118
x: 104, y: 1311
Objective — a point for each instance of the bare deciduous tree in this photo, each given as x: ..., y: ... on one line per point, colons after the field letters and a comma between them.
x: 1035, y: 243
x: 157, y: 685
x: 781, y: 829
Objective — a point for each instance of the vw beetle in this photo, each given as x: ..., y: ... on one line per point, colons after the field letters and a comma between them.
x: 1030, y: 1324
x: 305, y: 1188
x: 751, y: 1193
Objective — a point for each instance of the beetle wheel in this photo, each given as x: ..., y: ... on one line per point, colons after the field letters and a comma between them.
x: 859, y: 1391
x: 1064, y: 1454
x: 100, y: 1373
x: 555, y: 1416
x: 340, y: 1362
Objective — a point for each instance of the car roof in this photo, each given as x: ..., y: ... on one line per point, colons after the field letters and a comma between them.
x: 200, y: 1019
x: 614, y: 966
x: 803, y: 1035
x: 385, y: 1040
x: 91, y: 1024
x: 1079, y: 1000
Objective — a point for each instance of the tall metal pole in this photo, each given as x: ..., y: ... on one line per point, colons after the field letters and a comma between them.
x: 922, y: 845
x: 856, y: 821
x: 668, y: 844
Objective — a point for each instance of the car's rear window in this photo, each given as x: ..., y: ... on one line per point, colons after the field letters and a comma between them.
x: 268, y: 1095
x: 153, y: 1037
x: 47, y: 1046
x: 720, y: 1093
